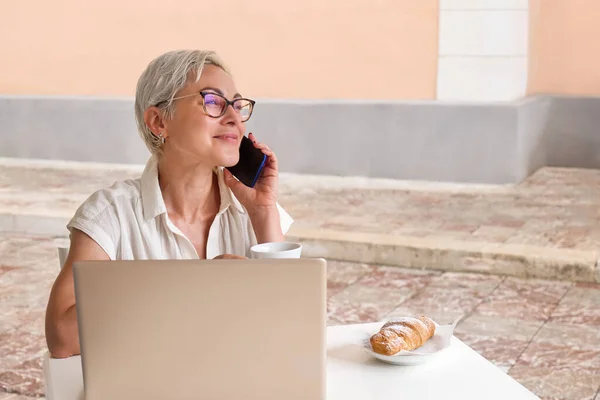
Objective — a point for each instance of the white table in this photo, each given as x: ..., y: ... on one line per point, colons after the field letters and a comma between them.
x: 457, y: 372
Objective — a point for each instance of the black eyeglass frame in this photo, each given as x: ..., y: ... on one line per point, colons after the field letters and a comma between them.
x: 227, y: 103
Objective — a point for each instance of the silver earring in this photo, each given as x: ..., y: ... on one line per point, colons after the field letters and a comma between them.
x: 161, y: 137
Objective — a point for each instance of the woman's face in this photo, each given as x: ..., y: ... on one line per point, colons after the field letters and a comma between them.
x: 196, y: 137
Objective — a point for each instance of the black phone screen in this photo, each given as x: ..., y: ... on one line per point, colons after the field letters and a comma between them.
x: 250, y: 165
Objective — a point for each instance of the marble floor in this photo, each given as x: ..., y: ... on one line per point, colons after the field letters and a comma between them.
x: 545, y: 334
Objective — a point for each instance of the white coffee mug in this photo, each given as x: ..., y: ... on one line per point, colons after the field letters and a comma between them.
x: 276, y: 250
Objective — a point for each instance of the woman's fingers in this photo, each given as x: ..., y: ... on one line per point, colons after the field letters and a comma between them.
x: 268, y: 152
x: 229, y: 257
x: 265, y: 149
x: 256, y: 143
x: 252, y: 137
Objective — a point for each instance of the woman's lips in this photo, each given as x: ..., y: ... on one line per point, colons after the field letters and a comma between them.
x: 228, y: 137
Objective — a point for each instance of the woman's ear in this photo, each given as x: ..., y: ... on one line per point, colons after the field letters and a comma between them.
x: 153, y: 117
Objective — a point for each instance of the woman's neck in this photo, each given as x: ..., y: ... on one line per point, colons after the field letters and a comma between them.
x: 190, y: 190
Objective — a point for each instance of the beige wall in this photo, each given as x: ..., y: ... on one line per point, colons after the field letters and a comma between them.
x: 277, y: 49
x: 564, y: 54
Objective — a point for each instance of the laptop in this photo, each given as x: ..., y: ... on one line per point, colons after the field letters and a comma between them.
x: 202, y: 329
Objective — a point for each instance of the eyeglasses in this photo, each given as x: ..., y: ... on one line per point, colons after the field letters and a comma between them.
x: 215, y: 105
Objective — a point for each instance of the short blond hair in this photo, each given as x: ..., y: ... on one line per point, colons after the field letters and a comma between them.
x: 162, y: 79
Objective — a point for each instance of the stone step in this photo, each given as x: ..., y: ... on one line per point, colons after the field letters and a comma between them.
x: 518, y: 260
x: 523, y: 261
x: 548, y: 226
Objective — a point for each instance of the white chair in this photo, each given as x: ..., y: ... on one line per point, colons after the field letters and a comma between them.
x: 62, y: 377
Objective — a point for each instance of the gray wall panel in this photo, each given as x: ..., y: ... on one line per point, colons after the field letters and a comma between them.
x: 428, y: 140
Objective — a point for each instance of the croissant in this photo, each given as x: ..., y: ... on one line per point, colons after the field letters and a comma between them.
x: 406, y: 333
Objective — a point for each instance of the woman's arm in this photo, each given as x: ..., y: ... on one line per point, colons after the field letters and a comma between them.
x: 62, y: 335
x: 267, y: 225
x: 261, y: 200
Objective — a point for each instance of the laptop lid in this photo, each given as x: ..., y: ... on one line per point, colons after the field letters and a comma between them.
x: 202, y: 329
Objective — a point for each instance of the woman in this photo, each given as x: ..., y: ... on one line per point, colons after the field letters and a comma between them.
x: 185, y: 205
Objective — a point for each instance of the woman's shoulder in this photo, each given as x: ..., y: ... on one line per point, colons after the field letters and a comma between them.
x: 124, y: 193
x: 103, y: 214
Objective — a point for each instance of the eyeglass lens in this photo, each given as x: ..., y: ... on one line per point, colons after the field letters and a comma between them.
x: 215, y: 105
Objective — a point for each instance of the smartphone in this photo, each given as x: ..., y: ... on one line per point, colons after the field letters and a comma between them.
x: 250, y: 165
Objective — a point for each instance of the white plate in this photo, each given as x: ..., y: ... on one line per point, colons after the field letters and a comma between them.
x: 438, y: 342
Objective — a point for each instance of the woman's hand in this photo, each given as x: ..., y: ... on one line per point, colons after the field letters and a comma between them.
x: 261, y: 200
x: 263, y: 196
x: 230, y: 257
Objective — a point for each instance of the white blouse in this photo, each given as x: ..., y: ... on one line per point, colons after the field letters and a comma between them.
x: 129, y: 221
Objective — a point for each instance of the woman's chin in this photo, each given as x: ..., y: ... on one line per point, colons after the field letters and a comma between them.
x: 229, y: 160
